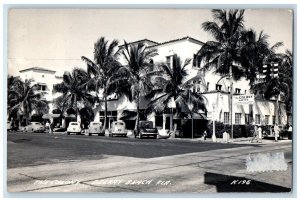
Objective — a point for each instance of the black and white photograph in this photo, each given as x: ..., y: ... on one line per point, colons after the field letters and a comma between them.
x: 140, y: 100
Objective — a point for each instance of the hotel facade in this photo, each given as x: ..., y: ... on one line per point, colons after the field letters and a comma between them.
x: 213, y: 87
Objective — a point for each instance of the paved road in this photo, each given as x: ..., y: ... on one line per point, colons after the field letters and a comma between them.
x: 61, y: 163
x: 25, y: 149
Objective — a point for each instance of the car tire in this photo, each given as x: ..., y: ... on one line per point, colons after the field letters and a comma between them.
x: 90, y: 134
x: 140, y: 136
x: 155, y: 137
x: 68, y: 133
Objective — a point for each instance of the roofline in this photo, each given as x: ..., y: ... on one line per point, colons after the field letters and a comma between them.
x: 36, y: 68
x: 179, y: 39
x: 139, y: 41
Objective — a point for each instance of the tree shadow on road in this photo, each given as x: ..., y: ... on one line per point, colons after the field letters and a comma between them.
x: 228, y: 183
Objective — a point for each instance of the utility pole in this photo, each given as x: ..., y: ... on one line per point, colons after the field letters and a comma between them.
x: 214, y: 139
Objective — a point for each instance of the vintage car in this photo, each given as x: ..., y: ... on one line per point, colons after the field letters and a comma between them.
x: 74, y: 127
x: 34, y: 127
x: 118, y: 128
x: 96, y: 128
x: 146, y: 129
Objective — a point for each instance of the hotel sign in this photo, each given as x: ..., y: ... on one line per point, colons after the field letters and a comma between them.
x: 243, y: 99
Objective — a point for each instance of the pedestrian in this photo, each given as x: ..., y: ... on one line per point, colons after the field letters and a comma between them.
x: 259, y: 134
x: 255, y: 135
x: 276, y: 132
x: 12, y: 124
x: 51, y: 127
x: 204, y: 135
x: 47, y: 126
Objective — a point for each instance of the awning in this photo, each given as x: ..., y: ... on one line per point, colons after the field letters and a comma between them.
x: 49, y: 116
x: 128, y: 115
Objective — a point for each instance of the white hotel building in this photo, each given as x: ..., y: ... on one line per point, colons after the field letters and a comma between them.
x: 216, y: 90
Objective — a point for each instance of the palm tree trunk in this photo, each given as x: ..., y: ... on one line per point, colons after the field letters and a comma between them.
x: 276, y: 110
x: 76, y: 106
x: 137, y: 125
x: 105, y: 110
x: 230, y: 102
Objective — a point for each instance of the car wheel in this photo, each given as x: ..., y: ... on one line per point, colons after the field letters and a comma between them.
x: 155, y: 137
x: 68, y: 133
x: 140, y: 135
x: 90, y: 134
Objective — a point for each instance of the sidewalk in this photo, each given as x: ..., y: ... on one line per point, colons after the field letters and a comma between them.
x: 243, y: 140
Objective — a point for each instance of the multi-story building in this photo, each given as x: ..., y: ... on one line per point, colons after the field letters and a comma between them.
x: 45, y: 78
x: 214, y: 88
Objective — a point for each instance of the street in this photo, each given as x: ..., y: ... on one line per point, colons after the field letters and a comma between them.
x: 42, y: 162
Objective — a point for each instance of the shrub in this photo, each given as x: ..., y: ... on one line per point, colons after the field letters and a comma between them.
x: 238, y: 130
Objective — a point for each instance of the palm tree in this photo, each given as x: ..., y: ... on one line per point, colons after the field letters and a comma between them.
x: 75, y: 89
x: 281, y: 85
x: 287, y: 70
x: 134, y: 79
x: 223, y: 52
x: 173, y: 84
x: 23, y: 98
x: 253, y: 53
x: 103, y: 68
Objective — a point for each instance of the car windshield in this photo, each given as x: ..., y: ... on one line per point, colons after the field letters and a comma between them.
x: 95, y: 124
x: 37, y: 123
x: 74, y: 124
x: 146, y: 124
x: 119, y: 124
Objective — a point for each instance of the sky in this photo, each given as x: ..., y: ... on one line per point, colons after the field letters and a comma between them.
x: 57, y: 38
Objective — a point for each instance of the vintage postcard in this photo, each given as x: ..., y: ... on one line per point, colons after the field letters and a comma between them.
x: 150, y: 100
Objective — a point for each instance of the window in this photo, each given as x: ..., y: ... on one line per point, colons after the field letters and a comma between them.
x: 226, y: 117
x: 257, y: 118
x: 248, y: 119
x: 273, y: 120
x: 196, y: 61
x: 245, y: 91
x: 43, y: 76
x: 43, y: 88
x: 170, y: 60
x: 159, y: 120
x: 207, y: 86
x: 238, y: 91
x: 111, y: 116
x: 151, y: 61
x: 218, y: 87
x: 267, y: 117
x: 238, y: 117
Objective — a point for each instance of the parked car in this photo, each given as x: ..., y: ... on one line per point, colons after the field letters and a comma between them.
x: 74, y: 127
x: 146, y: 129
x: 34, y: 127
x: 96, y: 128
x: 270, y: 134
x: 118, y: 128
